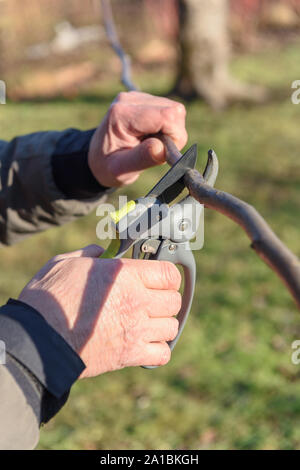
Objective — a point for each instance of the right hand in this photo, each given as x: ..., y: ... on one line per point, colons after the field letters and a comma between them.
x: 121, y: 147
x: 113, y: 313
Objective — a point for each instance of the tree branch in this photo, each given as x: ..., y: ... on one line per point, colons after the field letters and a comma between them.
x: 264, y: 241
x: 112, y: 36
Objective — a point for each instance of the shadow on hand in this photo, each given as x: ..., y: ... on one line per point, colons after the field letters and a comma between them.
x: 92, y: 301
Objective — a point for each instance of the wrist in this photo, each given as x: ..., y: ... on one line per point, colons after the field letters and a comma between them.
x: 94, y: 159
x: 51, y: 312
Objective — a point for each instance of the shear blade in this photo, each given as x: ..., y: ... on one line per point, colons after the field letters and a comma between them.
x: 172, y: 184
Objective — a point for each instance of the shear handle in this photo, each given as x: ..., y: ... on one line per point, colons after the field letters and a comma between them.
x: 181, y: 254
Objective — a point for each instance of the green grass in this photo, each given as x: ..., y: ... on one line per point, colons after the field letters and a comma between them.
x: 231, y: 383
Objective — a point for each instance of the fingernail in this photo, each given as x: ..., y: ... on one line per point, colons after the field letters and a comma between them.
x: 158, y: 151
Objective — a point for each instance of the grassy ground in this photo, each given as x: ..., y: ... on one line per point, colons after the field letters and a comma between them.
x: 231, y: 383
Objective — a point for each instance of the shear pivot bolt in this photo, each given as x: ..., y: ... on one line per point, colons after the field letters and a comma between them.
x: 172, y: 247
x: 183, y: 225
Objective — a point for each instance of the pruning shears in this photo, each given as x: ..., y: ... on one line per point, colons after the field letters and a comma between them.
x: 157, y: 230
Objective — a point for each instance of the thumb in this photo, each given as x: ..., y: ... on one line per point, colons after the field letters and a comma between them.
x: 90, y: 251
x: 148, y: 153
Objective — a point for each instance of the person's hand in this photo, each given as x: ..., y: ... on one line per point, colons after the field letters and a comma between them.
x: 113, y: 313
x: 120, y: 150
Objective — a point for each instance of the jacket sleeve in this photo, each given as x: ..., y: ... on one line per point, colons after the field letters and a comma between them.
x: 19, y: 425
x: 30, y: 199
x: 36, y: 375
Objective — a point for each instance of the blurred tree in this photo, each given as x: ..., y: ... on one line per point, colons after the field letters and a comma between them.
x: 203, y: 66
x: 2, y: 45
x: 164, y: 16
x: 1, y: 54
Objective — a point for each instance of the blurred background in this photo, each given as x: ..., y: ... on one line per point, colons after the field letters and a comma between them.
x: 231, y: 383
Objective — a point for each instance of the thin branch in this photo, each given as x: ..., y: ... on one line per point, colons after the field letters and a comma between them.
x: 112, y: 36
x: 264, y: 241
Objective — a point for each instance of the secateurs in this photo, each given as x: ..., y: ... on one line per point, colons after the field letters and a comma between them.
x: 157, y: 230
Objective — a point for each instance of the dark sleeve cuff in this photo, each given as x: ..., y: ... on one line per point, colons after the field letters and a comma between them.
x: 71, y: 171
x: 43, y: 404
x: 35, y: 344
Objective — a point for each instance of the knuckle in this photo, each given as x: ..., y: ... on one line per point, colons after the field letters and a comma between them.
x: 168, y: 113
x: 180, y: 108
x: 174, y: 112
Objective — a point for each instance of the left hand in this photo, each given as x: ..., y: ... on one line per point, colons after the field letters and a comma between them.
x: 114, y: 313
x: 120, y: 150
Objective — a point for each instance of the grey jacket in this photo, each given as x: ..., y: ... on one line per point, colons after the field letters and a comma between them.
x: 30, y: 202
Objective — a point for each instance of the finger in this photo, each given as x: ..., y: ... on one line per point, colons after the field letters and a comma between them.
x: 156, y: 354
x: 90, y: 251
x: 160, y: 275
x: 161, y: 329
x: 163, y: 303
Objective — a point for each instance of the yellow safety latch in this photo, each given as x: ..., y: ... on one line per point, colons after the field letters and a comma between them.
x: 116, y: 216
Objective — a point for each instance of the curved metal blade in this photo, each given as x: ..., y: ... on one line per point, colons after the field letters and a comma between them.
x: 171, y: 184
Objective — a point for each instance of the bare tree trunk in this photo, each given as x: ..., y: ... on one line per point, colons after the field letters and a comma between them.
x: 203, y: 68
